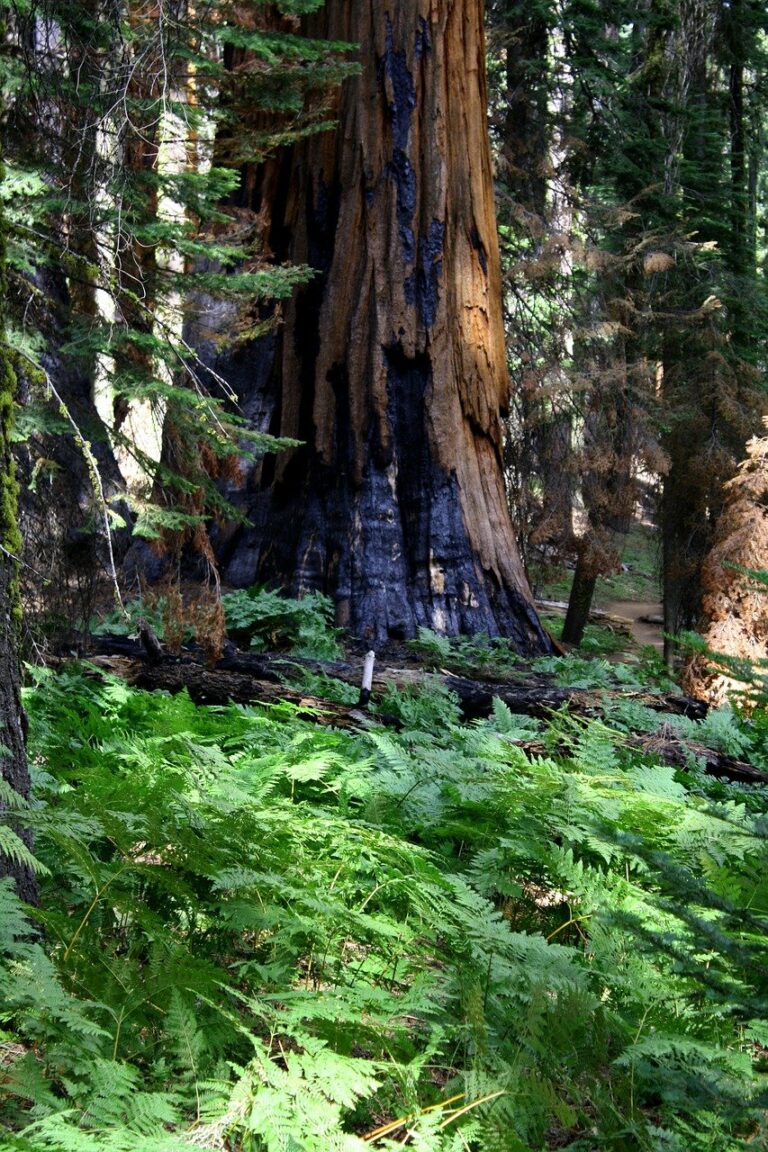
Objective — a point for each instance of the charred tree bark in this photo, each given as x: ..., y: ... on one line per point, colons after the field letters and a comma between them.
x: 391, y: 364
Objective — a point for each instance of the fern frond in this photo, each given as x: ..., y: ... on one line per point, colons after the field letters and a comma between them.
x: 14, y: 848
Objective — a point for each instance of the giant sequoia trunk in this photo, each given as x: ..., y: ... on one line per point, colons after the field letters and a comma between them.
x: 390, y: 366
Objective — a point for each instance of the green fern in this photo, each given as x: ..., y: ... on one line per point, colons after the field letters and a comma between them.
x: 260, y: 931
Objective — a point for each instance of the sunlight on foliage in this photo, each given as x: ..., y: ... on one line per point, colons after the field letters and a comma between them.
x: 260, y: 934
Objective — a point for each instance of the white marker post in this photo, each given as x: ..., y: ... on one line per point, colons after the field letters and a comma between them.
x: 365, y: 691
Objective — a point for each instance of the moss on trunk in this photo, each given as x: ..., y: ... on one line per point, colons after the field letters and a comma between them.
x: 13, y: 759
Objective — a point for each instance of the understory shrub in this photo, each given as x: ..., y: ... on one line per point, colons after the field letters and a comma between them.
x: 256, y: 933
x: 265, y: 619
x: 255, y: 617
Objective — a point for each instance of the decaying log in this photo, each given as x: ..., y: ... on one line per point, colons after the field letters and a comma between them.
x: 250, y: 678
x: 214, y: 686
x: 679, y: 753
x: 529, y: 693
x: 539, y: 697
x: 535, y: 695
x: 270, y: 666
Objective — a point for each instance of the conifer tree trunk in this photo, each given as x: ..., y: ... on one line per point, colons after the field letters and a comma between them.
x: 139, y: 138
x: 581, y: 595
x: 712, y: 386
x: 526, y: 129
x: 13, y: 756
x: 537, y: 211
x: 390, y: 365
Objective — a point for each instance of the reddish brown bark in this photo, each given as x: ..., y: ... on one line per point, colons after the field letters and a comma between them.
x: 391, y: 364
x: 734, y: 619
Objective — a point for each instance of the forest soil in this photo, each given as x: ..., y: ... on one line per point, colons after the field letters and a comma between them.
x: 643, y: 633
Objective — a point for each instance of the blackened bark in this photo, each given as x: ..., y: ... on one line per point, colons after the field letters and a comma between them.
x: 391, y: 364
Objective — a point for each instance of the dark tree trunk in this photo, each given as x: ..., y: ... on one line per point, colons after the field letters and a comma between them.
x: 52, y: 130
x: 580, y: 599
x: 391, y: 364
x: 136, y: 280
x: 740, y: 256
x: 13, y: 756
x: 608, y: 488
x: 526, y: 137
x: 536, y: 211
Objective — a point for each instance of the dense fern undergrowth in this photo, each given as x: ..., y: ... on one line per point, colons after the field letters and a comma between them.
x: 258, y: 933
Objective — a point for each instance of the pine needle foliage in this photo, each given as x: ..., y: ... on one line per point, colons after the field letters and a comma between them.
x: 129, y: 128
x: 259, y: 934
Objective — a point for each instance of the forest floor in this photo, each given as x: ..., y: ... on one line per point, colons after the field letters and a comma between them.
x: 636, y: 580
x: 631, y: 595
x: 470, y: 913
x: 644, y: 617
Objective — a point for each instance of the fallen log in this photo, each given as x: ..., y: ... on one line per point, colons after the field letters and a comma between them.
x: 529, y: 693
x: 680, y: 752
x: 226, y: 685
x: 270, y: 666
x: 538, y: 697
x: 214, y: 686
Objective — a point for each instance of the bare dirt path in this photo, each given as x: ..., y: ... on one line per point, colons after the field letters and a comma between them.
x: 643, y: 633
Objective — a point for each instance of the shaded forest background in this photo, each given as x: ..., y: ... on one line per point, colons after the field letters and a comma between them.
x: 153, y: 293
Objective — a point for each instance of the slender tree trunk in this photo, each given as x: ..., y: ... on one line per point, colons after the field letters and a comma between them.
x: 136, y: 255
x: 391, y: 365
x: 580, y: 599
x: 735, y: 38
x: 538, y: 214
x: 13, y: 756
x: 678, y: 583
x: 609, y: 487
x: 52, y: 127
